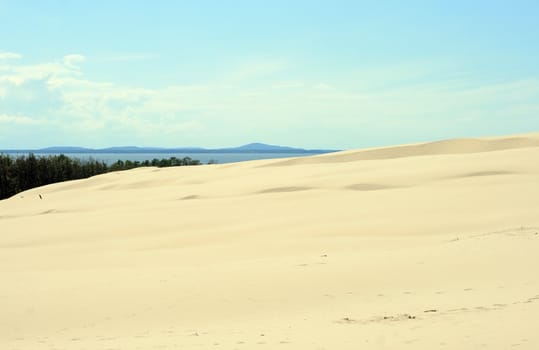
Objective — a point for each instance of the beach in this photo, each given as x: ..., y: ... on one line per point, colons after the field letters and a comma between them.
x: 422, y: 246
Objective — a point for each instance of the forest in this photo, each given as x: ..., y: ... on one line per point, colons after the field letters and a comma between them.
x: 21, y: 173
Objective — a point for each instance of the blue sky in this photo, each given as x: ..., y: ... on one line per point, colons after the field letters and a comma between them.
x: 314, y: 74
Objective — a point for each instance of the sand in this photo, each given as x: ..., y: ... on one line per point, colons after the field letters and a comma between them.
x: 412, y: 247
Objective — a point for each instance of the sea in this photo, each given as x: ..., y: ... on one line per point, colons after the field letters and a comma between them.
x: 204, y: 158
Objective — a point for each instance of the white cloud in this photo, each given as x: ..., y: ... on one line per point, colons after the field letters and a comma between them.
x: 9, y: 55
x: 53, y: 73
x: 289, y: 85
x: 72, y: 61
x: 323, y: 86
x: 63, y: 81
x: 18, y: 119
x: 19, y: 74
x: 12, y: 79
x: 255, y: 69
x: 225, y: 109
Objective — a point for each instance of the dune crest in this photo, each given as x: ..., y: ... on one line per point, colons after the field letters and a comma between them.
x: 410, y: 247
x: 454, y: 146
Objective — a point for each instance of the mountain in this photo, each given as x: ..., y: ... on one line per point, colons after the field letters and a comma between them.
x: 248, y: 148
x: 258, y: 147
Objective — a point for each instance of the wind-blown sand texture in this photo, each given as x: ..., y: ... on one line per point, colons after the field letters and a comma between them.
x: 420, y: 246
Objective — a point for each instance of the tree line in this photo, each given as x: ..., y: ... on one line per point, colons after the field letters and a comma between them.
x: 21, y: 173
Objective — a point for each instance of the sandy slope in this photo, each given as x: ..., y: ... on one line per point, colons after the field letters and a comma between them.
x: 420, y: 246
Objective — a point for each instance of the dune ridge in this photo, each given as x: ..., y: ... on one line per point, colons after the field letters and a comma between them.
x: 418, y: 246
x: 453, y: 146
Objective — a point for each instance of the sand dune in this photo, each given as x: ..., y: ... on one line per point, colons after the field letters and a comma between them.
x: 422, y: 246
x: 455, y: 146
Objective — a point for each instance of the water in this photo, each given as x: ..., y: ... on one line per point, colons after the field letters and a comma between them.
x: 219, y: 158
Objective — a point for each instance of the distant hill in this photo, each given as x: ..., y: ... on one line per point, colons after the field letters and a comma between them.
x: 248, y: 148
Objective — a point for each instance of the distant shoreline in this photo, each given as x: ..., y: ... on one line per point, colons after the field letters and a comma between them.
x: 248, y: 148
x: 204, y: 156
x: 145, y: 151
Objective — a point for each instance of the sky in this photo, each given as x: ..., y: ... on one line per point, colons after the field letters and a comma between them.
x: 314, y: 74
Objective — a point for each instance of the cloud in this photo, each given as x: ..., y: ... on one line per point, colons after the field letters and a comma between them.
x: 32, y: 97
x: 12, y: 79
x: 19, y: 74
x: 72, y: 60
x: 9, y: 55
x: 323, y: 86
x: 255, y: 69
x: 331, y: 113
x: 18, y: 119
